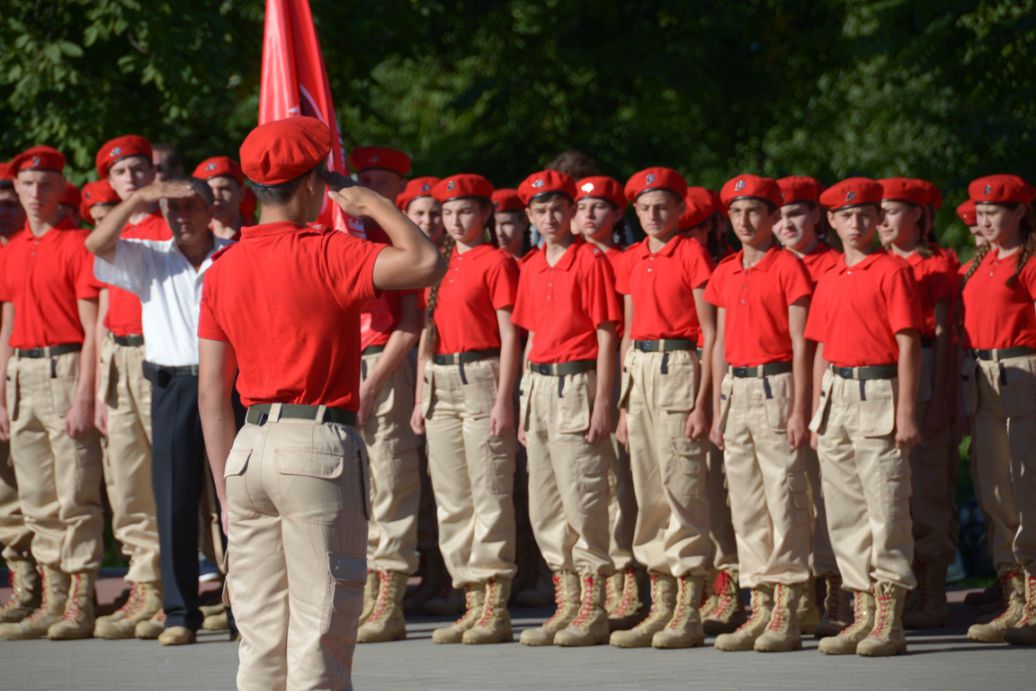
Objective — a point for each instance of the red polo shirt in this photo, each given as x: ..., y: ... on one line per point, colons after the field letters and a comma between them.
x: 662, y: 286
x: 857, y: 311
x: 936, y: 282
x: 288, y: 299
x: 756, y: 301
x: 123, y: 317
x: 822, y: 259
x: 562, y: 305
x: 44, y: 276
x: 998, y: 314
x: 615, y: 257
x: 477, y: 284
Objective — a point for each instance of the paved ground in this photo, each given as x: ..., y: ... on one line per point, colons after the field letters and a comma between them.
x: 943, y: 660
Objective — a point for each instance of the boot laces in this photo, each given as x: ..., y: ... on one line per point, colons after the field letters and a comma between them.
x: 381, y: 604
x: 72, y: 610
x: 136, y: 599
x: 724, y: 597
x: 1005, y: 616
x: 883, y: 596
x: 559, y: 599
x: 757, y: 613
x: 487, y: 607
x: 587, y: 604
x: 780, y: 604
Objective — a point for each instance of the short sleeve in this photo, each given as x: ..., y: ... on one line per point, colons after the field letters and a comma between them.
x: 128, y: 270
x: 522, y: 316
x: 795, y: 280
x: 349, y: 265
x: 208, y: 323
x: 698, y: 264
x: 502, y: 281
x: 602, y: 302
x: 816, y: 323
x: 714, y: 289
x: 1027, y: 278
x: 902, y: 304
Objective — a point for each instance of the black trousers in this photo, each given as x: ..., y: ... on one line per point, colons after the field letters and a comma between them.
x: 178, y: 471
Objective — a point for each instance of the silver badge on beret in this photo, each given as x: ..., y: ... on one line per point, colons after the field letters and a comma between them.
x: 849, y: 196
x: 988, y: 189
x: 739, y: 185
x: 117, y: 151
x: 538, y: 183
x: 450, y: 185
x: 649, y: 178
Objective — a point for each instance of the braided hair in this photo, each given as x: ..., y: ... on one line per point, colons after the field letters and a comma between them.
x: 1028, y: 241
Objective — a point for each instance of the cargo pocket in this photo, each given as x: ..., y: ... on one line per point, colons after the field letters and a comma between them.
x: 777, y: 401
x: 500, y: 465
x: 969, y: 386
x: 877, y: 413
x: 1017, y: 390
x: 573, y: 403
x: 686, y: 468
x: 674, y: 388
x: 237, y: 462
x: 895, y: 486
x: 344, y: 590
x: 798, y: 492
x: 64, y: 370
x: 726, y: 390
x: 310, y: 478
x: 478, y: 381
x: 819, y: 421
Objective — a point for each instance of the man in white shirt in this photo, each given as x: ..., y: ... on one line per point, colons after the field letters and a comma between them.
x: 167, y: 277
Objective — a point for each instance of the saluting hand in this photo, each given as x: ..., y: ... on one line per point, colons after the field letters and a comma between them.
x: 354, y: 201
x: 158, y: 191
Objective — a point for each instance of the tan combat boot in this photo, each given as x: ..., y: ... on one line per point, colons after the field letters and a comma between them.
x: 625, y: 605
x: 494, y: 622
x: 887, y: 637
x: 838, y: 608
x: 78, y: 620
x: 474, y: 598
x: 782, y: 632
x: 145, y: 600
x: 26, y: 591
x: 150, y: 629
x: 370, y: 594
x: 807, y: 612
x: 743, y: 638
x: 1024, y: 631
x: 590, y: 625
x: 930, y: 609
x: 215, y: 618
x: 849, y: 638
x: 663, y: 602
x: 725, y: 612
x: 684, y: 629
x: 566, y: 607
x: 51, y: 609
x: 993, y: 632
x: 386, y: 621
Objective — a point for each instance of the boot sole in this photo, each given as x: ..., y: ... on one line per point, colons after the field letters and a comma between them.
x: 680, y: 645
x: 782, y: 649
x: 898, y: 651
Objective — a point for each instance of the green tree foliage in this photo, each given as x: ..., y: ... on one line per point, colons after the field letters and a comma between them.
x: 829, y: 87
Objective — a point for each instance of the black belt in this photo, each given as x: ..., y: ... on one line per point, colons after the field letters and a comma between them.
x: 665, y: 345
x: 259, y: 414
x: 767, y: 370
x: 129, y: 341
x: 468, y: 356
x: 150, y: 368
x: 374, y: 350
x: 867, y: 372
x: 563, y: 368
x: 997, y: 354
x: 51, y: 351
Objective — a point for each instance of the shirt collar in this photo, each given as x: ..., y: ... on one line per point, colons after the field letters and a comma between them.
x: 270, y: 229
x: 762, y: 265
x: 566, y: 260
x: 643, y: 249
x: 842, y: 267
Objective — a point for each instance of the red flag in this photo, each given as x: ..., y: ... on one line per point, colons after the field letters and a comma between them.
x: 294, y: 82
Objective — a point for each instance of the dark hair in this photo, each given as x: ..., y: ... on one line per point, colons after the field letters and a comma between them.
x: 575, y: 163
x: 1026, y: 227
x: 175, y: 159
x: 200, y: 187
x: 281, y: 194
x: 546, y: 197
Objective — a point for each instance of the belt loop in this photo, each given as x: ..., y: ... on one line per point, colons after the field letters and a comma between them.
x: 766, y: 387
x: 863, y: 390
x: 275, y: 412
x: 665, y: 363
x: 561, y: 386
x: 463, y: 376
x: 321, y: 412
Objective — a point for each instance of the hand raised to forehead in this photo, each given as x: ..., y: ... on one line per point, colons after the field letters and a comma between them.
x: 167, y: 190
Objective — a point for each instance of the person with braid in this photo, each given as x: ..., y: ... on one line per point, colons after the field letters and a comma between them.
x: 904, y: 233
x: 1000, y: 394
x: 467, y: 368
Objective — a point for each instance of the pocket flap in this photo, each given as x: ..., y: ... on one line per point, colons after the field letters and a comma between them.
x: 347, y: 569
x: 237, y: 462
x: 309, y: 462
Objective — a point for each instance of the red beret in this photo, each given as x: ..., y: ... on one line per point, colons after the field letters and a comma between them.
x: 934, y: 194
x: 219, y: 166
x: 379, y: 157
x: 1000, y: 189
x: 119, y: 148
x: 507, y: 199
x: 851, y: 192
x: 704, y: 198
x: 6, y: 172
x: 461, y: 186
x: 38, y: 157
x: 94, y: 193
x: 697, y: 207
x: 546, y: 182
x: 601, y: 187
x: 905, y: 190
x: 656, y: 178
x: 71, y: 196
x: 799, y: 188
x: 751, y: 186
x: 967, y: 213
x: 418, y: 187
x: 280, y: 151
